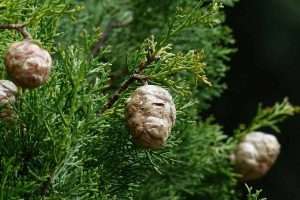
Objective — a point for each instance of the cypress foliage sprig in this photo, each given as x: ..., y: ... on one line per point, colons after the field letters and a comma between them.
x: 253, y: 196
x: 268, y: 117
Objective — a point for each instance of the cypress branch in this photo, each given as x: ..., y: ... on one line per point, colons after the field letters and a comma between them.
x: 104, y: 36
x: 61, y: 144
x: 21, y: 28
x: 123, y: 87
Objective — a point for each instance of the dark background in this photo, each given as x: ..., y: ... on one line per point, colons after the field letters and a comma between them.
x: 266, y: 69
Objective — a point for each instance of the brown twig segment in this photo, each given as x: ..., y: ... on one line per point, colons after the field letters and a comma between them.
x: 18, y: 27
x: 142, y: 78
x: 137, y: 75
x: 96, y: 48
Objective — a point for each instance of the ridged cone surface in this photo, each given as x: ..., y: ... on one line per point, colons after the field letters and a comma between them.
x: 27, y: 64
x: 151, y: 114
x: 255, y: 155
x: 8, y: 90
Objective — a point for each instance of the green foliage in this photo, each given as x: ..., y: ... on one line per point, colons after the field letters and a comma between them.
x: 268, y: 118
x: 253, y: 196
x: 61, y: 147
x: 196, y: 167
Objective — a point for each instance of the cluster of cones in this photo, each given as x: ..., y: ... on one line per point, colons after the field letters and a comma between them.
x: 28, y: 66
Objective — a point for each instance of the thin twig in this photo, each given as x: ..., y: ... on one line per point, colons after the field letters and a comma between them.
x: 45, y: 186
x: 18, y: 27
x: 137, y: 75
x: 96, y: 48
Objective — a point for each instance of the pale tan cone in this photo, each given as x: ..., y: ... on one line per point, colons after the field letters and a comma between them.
x: 28, y: 64
x: 255, y: 155
x: 151, y: 114
x: 8, y: 90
